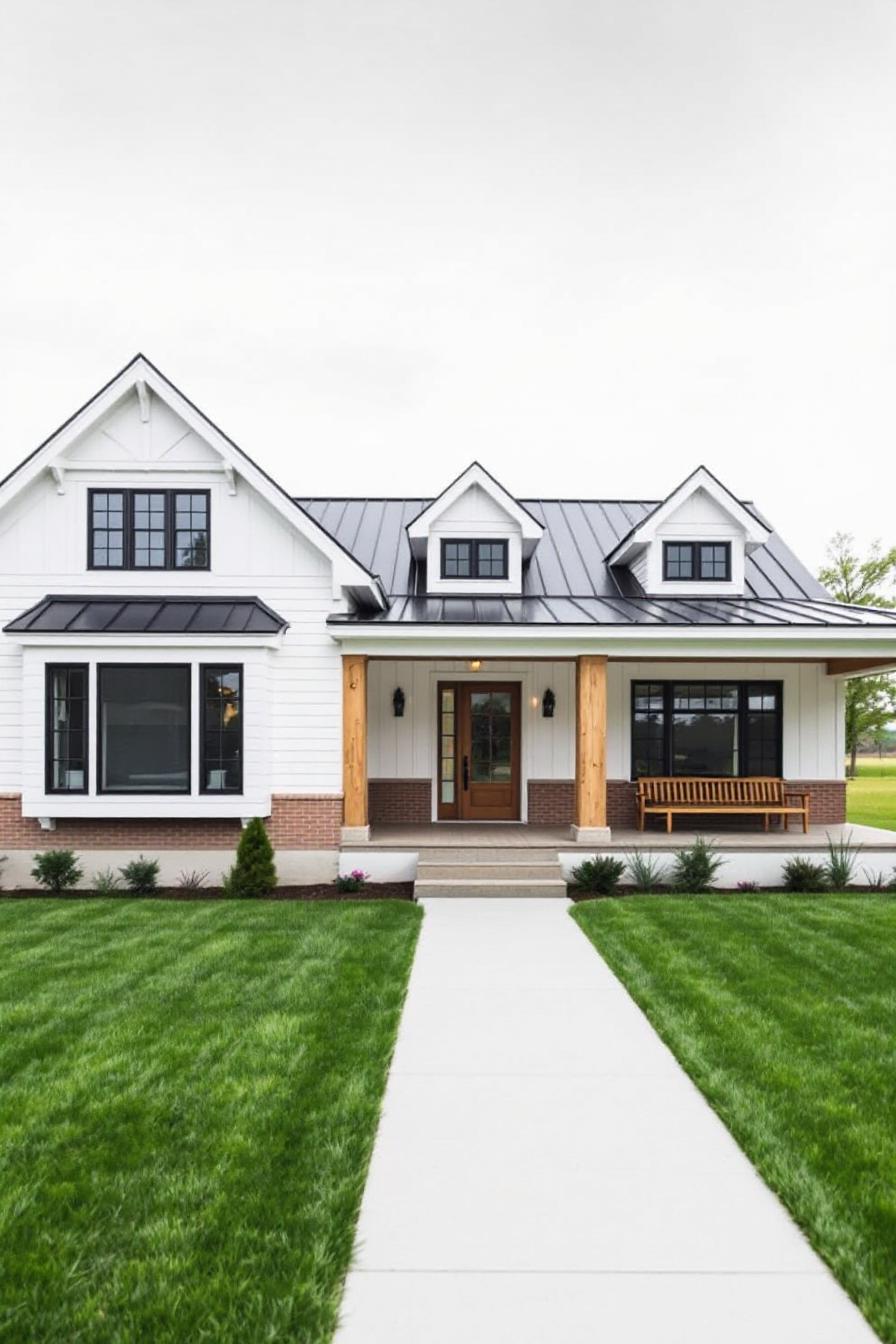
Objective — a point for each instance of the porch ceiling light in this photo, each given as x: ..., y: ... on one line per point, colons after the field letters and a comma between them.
x: 548, y: 704
x: 475, y: 664
x: 398, y: 702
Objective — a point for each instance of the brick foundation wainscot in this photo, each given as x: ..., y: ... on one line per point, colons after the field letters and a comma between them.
x: 407, y: 801
x: 309, y: 821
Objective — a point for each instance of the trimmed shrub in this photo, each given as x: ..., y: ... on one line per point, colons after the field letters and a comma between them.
x: 648, y: 874
x: 748, y: 886
x: 57, y: 869
x: 141, y: 876
x: 840, y: 868
x: 353, y: 881
x: 694, y: 868
x: 802, y: 875
x: 106, y: 882
x: 600, y: 875
x: 254, y: 873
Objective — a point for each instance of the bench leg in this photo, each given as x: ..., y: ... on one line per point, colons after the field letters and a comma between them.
x: 806, y: 821
x: 668, y: 823
x: 765, y: 820
x: 787, y: 821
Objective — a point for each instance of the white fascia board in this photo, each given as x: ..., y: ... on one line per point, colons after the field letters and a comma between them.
x: 755, y: 532
x: 531, y: 530
x: 148, y: 643
x: 766, y: 642
x: 346, y: 570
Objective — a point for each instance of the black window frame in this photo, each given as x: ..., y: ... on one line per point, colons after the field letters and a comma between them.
x: 205, y: 668
x: 143, y: 793
x: 50, y: 672
x: 128, y: 548
x: 743, y: 713
x: 697, y: 576
x: 474, y: 543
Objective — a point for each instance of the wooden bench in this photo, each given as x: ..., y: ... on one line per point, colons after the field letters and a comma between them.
x: 762, y: 795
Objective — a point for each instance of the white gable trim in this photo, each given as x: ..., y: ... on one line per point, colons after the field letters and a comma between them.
x: 142, y: 378
x: 755, y: 532
x: 475, y: 474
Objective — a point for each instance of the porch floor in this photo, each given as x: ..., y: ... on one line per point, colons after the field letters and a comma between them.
x: 517, y: 835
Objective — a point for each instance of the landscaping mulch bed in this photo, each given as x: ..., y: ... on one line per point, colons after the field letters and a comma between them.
x: 321, y: 891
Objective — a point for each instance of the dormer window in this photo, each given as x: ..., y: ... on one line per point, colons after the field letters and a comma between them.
x: 473, y: 559
x: 697, y: 561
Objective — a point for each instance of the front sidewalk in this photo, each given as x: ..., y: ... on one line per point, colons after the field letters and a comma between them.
x: 544, y: 1170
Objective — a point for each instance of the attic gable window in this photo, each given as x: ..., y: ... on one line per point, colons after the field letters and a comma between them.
x: 474, y: 559
x: 700, y: 561
x: 148, y: 529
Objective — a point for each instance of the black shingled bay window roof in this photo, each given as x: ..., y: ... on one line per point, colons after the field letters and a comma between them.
x: 62, y: 614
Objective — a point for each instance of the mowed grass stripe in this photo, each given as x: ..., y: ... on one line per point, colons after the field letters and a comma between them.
x: 190, y: 1098
x: 783, y: 1011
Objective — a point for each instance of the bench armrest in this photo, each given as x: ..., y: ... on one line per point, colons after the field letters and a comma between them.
x: 797, y: 793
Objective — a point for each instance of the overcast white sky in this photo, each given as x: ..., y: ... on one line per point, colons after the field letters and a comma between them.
x: 591, y: 243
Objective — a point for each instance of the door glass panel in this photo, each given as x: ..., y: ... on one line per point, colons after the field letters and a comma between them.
x: 447, y: 764
x: 490, y: 731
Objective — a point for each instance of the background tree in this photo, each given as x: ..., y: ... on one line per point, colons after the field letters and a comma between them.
x: 870, y: 701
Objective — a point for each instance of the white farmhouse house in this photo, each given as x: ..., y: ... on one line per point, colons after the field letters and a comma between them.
x: 186, y: 646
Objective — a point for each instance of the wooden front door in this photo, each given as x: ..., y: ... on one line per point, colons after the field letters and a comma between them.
x: 486, y: 751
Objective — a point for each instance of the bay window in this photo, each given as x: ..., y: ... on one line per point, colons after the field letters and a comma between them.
x: 66, y: 728
x: 144, y: 728
x: 222, y: 729
x: 706, y: 728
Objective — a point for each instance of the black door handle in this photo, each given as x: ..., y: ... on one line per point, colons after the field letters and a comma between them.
x: 466, y: 773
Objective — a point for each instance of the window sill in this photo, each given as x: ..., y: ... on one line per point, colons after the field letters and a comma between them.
x: 126, y: 806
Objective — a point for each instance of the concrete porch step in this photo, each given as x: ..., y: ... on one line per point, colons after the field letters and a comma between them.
x: 490, y: 887
x: 453, y: 872
x: 486, y: 854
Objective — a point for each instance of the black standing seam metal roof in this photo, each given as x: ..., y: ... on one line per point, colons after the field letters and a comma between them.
x: 568, y: 581
x: 62, y: 614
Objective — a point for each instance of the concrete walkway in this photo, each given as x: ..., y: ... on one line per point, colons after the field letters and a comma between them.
x: 545, y: 1171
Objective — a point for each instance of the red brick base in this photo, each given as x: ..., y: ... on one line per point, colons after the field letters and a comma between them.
x: 296, y: 822
x: 406, y: 801
x: 551, y: 802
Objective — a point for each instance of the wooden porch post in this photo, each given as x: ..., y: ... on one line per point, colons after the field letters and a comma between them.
x: 591, y: 749
x: 354, y: 747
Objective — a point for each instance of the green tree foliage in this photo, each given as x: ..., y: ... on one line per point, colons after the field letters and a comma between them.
x: 254, y: 873
x: 870, y: 701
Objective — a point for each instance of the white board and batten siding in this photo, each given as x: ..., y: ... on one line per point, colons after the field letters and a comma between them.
x: 292, y: 712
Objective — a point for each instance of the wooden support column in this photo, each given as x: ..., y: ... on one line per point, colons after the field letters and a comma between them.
x: 354, y: 747
x: 591, y: 749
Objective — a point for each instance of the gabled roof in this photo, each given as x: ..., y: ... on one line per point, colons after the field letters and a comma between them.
x: 63, y: 614
x: 475, y: 474
x: 140, y: 375
x: 755, y: 530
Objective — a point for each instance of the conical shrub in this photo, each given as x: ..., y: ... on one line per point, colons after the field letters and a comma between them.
x: 254, y: 873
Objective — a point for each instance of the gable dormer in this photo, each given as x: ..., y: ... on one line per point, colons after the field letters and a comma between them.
x: 475, y: 537
x: 694, y: 543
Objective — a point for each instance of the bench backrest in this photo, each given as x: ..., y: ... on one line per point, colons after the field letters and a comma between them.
x: 704, y: 789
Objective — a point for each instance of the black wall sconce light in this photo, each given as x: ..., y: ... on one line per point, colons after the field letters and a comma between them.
x: 548, y: 702
x: 398, y: 702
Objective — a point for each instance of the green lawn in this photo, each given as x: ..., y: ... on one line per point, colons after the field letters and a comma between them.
x: 783, y: 1011
x: 190, y: 1095
x: 871, y: 796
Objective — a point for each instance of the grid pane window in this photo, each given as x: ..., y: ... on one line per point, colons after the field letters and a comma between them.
x: 149, y: 530
x: 678, y: 560
x: 491, y: 559
x: 222, y: 730
x: 447, y: 739
x: 67, y: 729
x: 706, y: 728
x: 190, y: 531
x: 107, y: 529
x: 715, y: 561
x: 457, y: 559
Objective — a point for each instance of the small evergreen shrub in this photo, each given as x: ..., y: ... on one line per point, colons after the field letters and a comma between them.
x: 648, y: 874
x: 802, y: 875
x: 106, y: 882
x: 57, y: 869
x: 694, y: 869
x: 192, y: 881
x: 748, y: 886
x: 141, y: 876
x: 840, y: 868
x: 353, y: 881
x: 599, y: 876
x: 253, y: 874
